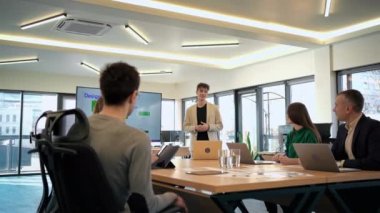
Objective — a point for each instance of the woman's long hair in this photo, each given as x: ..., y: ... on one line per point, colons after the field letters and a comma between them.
x: 99, y: 105
x: 299, y: 115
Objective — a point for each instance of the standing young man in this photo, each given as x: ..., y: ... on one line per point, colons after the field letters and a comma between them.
x: 203, y: 119
x: 125, y: 152
x: 358, y: 140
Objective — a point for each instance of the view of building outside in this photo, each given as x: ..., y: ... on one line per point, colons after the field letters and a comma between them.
x: 227, y: 112
x: 249, y: 120
x: 274, y: 115
x: 10, y: 106
x: 34, y: 105
x: 368, y: 83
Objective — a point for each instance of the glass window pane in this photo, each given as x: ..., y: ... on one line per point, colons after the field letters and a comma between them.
x: 273, y: 116
x: 304, y: 93
x: 227, y: 112
x: 368, y: 83
x: 34, y: 105
x: 187, y: 104
x: 167, y: 115
x: 68, y: 102
x: 249, y: 118
x: 210, y: 99
x: 10, y: 102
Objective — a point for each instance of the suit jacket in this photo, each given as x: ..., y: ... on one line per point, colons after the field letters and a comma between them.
x: 213, y: 120
x: 365, y: 145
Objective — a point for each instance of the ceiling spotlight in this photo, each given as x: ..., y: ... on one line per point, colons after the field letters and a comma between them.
x: 90, y: 67
x: 154, y: 73
x: 207, y: 45
x: 137, y: 35
x: 43, y: 21
x: 327, y: 7
x: 19, y: 61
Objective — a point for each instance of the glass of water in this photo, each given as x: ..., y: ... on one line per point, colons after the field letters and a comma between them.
x: 225, y: 159
x: 235, y: 157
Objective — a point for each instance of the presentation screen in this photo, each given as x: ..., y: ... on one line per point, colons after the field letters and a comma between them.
x: 146, y: 115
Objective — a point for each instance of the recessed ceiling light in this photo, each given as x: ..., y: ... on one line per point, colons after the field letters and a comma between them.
x: 19, y: 61
x: 43, y: 21
x: 205, y: 14
x: 137, y: 35
x: 90, y: 67
x: 155, y: 73
x: 239, y: 21
x: 207, y: 45
x: 327, y: 7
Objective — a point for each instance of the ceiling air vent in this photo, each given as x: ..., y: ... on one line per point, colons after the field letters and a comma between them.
x: 83, y: 27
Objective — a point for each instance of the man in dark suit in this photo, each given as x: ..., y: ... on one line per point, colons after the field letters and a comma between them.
x: 358, y: 140
x: 357, y: 146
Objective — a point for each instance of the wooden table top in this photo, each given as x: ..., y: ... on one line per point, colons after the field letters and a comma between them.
x: 250, y: 177
x: 247, y: 177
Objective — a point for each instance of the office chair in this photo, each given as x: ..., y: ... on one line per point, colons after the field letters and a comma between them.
x: 324, y: 131
x: 78, y: 179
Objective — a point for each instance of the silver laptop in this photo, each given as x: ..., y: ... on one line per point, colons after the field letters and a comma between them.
x: 318, y: 157
x: 245, y: 156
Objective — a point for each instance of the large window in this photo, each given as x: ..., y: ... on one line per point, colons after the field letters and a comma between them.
x: 34, y: 105
x: 227, y: 111
x: 273, y: 115
x: 304, y: 92
x: 168, y: 114
x: 367, y: 81
x: 249, y: 127
x: 10, y: 102
x: 186, y: 104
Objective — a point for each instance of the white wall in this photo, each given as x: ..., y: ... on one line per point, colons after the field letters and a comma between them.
x: 288, y: 67
x: 43, y: 82
x: 320, y: 62
x: 356, y: 52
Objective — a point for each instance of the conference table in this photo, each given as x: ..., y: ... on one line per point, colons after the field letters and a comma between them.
x: 303, y: 188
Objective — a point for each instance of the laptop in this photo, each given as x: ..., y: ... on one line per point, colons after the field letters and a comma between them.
x: 206, y: 150
x: 318, y: 157
x: 164, y: 157
x: 245, y: 155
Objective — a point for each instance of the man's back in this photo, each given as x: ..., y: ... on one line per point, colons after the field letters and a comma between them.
x: 125, y: 154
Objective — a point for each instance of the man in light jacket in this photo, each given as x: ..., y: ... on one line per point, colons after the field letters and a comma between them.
x: 203, y: 119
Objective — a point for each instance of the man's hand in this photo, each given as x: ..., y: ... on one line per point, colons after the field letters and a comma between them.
x: 181, y: 203
x: 154, y: 158
x: 277, y: 156
x: 203, y: 127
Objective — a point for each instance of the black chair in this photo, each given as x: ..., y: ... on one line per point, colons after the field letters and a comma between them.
x: 324, y: 131
x: 78, y: 179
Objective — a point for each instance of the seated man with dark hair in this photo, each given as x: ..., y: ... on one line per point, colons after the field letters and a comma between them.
x: 358, y: 140
x: 125, y: 152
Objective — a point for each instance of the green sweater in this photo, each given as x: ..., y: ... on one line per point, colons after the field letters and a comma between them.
x: 303, y: 135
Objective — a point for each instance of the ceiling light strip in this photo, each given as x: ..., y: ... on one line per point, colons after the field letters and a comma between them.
x: 221, y: 17
x: 327, y: 7
x: 156, y: 73
x: 19, y: 61
x: 211, y: 45
x: 90, y: 67
x: 43, y: 21
x: 131, y: 30
x: 112, y: 50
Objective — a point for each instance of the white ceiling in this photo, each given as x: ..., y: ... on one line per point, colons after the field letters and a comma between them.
x: 166, y: 32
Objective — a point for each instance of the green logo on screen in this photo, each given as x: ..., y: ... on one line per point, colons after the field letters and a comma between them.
x: 93, y: 103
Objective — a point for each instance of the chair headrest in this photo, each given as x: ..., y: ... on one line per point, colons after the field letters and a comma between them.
x: 54, y: 126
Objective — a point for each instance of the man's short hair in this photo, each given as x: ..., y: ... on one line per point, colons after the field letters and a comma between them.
x: 355, y: 98
x: 117, y: 82
x: 203, y: 85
